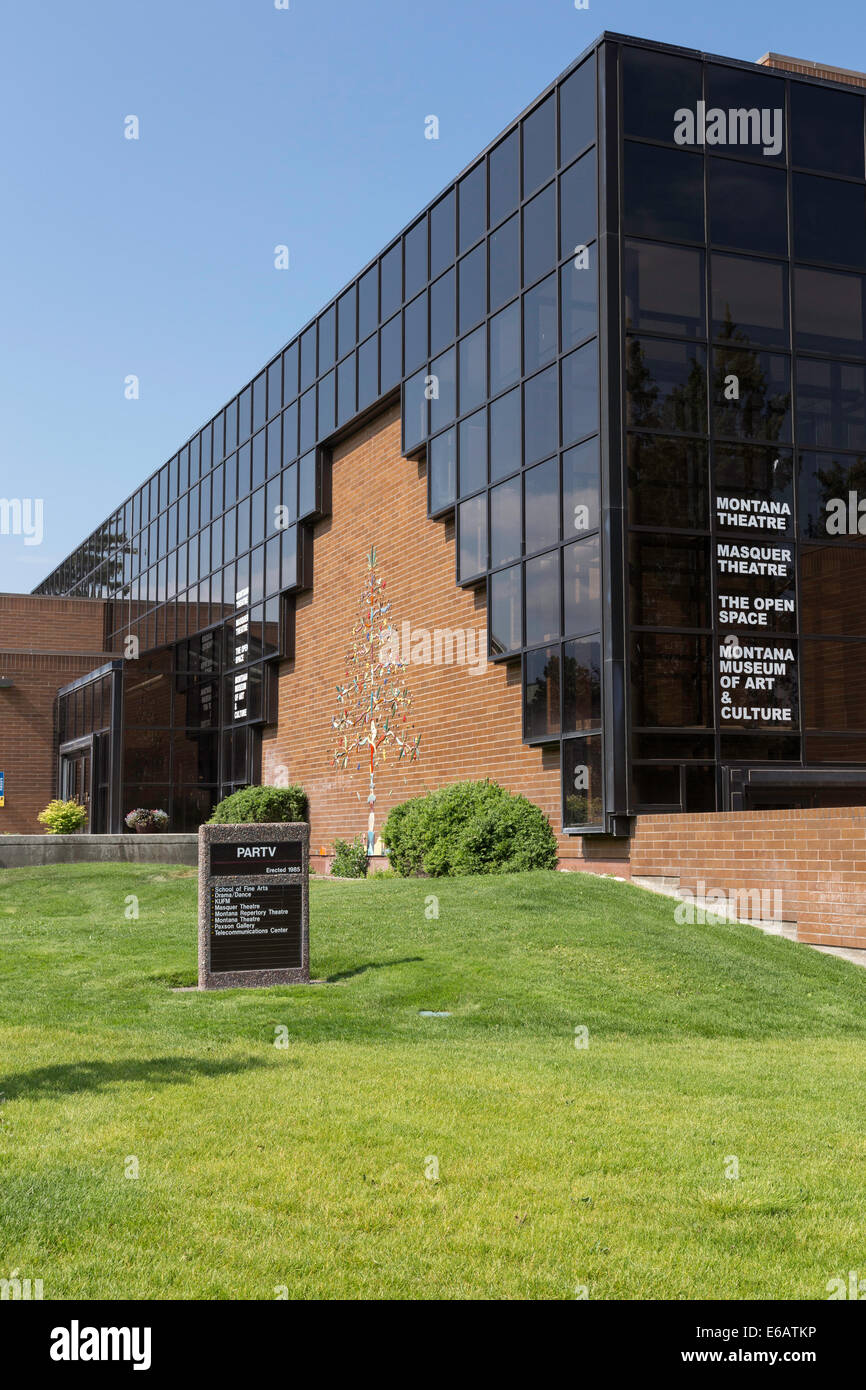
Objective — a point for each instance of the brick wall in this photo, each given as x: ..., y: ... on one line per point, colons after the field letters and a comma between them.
x: 470, y: 725
x: 45, y: 643
x: 806, y: 68
x: 815, y: 858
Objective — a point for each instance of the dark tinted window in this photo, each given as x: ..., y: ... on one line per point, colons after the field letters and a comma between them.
x: 668, y: 481
x: 327, y: 403
x: 415, y: 258
x: 539, y: 324
x: 368, y: 302
x: 472, y: 535
x: 829, y: 220
x: 831, y: 404
x: 415, y: 329
x: 245, y: 427
x: 442, y: 459
x: 751, y: 394
x: 666, y: 385
x: 389, y: 354
x: 664, y: 289
x: 581, y: 705
x: 664, y: 193
x: 579, y: 299
x: 392, y: 282
x: 539, y: 415
x: 827, y: 129
x: 542, y: 597
x: 414, y: 410
x: 260, y: 414
x: 308, y: 357
x: 829, y: 311
x: 832, y: 672
x: 473, y: 452
x: 472, y: 191
x: 539, y: 146
x: 829, y: 576
x: 763, y: 475
x: 504, y: 178
x: 505, y: 611
x: 504, y: 263
x: 346, y: 397
x: 539, y: 235
x: 671, y: 680
x: 443, y: 402
x: 505, y: 435
x: 442, y: 311
x: 290, y: 433
x: 505, y: 523
x: 290, y: 382
x: 442, y: 238
x: 504, y: 349
x: 577, y: 111
x: 748, y: 207
x: 541, y: 506
x: 368, y: 372
x: 581, y: 585
x: 275, y: 394
x: 750, y: 301
x: 472, y: 273
x: 473, y: 370
x: 346, y: 321
x: 669, y: 580
x: 327, y: 340
x: 577, y: 205
x: 731, y: 89
x: 541, y: 692
x: 580, y: 393
x: 582, y: 782
x: 580, y: 490
x: 654, y: 87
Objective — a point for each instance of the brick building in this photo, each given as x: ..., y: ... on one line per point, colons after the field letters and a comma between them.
x: 46, y: 645
x: 604, y: 402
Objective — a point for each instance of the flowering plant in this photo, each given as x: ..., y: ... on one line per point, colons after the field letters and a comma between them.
x: 142, y: 819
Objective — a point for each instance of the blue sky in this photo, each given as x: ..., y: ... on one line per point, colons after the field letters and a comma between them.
x: 258, y: 127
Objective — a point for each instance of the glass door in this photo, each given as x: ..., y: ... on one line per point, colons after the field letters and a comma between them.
x: 76, y: 767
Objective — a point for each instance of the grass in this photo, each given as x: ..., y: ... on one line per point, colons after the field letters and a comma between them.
x: 305, y: 1167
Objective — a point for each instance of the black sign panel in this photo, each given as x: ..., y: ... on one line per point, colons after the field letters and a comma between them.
x: 256, y: 926
x: 273, y: 858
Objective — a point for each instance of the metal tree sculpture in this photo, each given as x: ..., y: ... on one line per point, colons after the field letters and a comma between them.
x: 373, y: 703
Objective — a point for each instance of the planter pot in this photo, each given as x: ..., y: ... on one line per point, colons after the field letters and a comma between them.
x: 147, y: 829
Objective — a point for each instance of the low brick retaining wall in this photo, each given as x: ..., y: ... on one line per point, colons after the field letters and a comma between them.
x: 33, y: 851
x: 816, y: 859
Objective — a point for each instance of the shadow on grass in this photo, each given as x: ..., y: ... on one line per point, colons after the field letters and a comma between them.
x: 49, y: 1082
x: 371, y: 965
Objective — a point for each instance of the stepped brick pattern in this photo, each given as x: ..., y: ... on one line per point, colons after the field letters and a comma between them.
x: 469, y: 720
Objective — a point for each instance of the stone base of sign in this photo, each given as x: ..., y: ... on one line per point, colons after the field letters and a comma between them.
x: 261, y: 877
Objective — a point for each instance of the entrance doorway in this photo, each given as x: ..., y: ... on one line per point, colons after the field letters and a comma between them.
x: 76, y: 775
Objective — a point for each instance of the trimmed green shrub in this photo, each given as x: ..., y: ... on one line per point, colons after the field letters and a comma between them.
x: 350, y: 859
x: 469, y: 828
x: 261, y: 805
x: 63, y: 817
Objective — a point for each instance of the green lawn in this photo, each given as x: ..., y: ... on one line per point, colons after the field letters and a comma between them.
x: 306, y: 1166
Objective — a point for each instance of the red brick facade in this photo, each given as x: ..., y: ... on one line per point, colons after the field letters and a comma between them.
x: 470, y: 724
x: 815, y: 858
x: 44, y: 644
